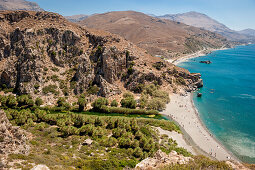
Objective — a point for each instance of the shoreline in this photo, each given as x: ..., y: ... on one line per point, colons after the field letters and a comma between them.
x: 181, y: 109
x: 194, y: 55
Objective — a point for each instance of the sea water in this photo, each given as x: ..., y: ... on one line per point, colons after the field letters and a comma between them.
x: 227, y: 105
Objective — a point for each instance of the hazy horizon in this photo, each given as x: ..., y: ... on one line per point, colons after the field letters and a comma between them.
x: 237, y: 14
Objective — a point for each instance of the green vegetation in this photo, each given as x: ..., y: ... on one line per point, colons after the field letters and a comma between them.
x: 93, y: 90
x: 199, y: 162
x: 50, y: 89
x: 59, y: 139
x: 128, y: 101
x: 153, y: 98
x: 114, y: 103
x: 82, y: 102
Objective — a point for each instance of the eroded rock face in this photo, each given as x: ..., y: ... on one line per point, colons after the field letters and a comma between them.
x: 38, y: 49
x: 12, y: 139
x: 162, y: 159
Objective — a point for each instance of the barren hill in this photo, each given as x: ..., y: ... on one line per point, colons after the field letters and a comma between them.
x: 157, y: 36
x: 43, y: 54
x: 200, y: 20
x: 19, y: 5
x: 76, y: 18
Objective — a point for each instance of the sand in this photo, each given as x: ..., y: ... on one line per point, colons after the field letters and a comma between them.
x: 179, y: 138
x: 181, y: 109
x: 194, y: 55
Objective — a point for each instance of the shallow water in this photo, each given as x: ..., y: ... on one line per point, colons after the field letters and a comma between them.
x: 227, y: 106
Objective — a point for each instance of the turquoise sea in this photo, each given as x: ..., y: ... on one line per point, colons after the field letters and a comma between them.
x: 227, y: 106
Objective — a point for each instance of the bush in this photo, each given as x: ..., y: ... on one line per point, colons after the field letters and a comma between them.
x: 128, y: 102
x: 125, y: 142
x: 156, y: 104
x: 82, y: 102
x: 50, y: 89
x: 22, y: 100
x: 114, y: 103
x: 38, y: 101
x: 99, y: 103
x: 93, y: 90
x: 138, y: 152
x: 61, y: 102
x: 11, y: 101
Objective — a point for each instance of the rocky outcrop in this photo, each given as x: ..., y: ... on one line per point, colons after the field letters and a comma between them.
x: 12, y: 139
x: 206, y: 62
x: 162, y: 159
x: 19, y: 5
x: 43, y: 54
x: 40, y: 167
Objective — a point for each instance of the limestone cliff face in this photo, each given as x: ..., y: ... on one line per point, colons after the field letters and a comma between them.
x: 43, y: 54
x: 12, y: 139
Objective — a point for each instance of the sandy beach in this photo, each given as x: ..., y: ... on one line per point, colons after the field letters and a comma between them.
x: 194, y: 55
x: 181, y: 109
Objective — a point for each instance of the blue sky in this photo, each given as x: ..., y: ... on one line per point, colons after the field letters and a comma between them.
x: 236, y: 14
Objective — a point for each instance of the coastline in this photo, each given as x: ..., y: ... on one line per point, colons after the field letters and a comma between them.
x: 182, y: 110
x: 194, y: 55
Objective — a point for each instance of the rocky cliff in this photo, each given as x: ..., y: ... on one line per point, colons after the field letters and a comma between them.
x: 12, y: 139
x: 158, y: 36
x: 45, y: 55
x: 19, y: 5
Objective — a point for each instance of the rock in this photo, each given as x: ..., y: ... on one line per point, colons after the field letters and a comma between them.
x: 40, y: 167
x: 199, y: 83
x: 206, y: 62
x: 12, y: 139
x: 199, y: 94
x: 88, y: 142
x: 161, y: 159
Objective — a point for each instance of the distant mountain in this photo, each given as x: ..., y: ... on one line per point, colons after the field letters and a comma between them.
x: 203, y: 21
x: 19, y: 5
x: 250, y: 32
x: 157, y: 36
x: 76, y: 18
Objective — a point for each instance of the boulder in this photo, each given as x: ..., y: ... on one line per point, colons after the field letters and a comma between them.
x: 206, y: 62
x: 40, y: 167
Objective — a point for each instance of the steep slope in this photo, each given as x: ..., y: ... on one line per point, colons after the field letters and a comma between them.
x: 250, y: 32
x: 19, y: 5
x: 157, y: 36
x: 76, y: 18
x: 203, y: 21
x: 43, y: 54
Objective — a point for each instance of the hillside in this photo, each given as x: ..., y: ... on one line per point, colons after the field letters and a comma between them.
x: 203, y: 21
x: 249, y: 32
x: 76, y: 18
x: 157, y: 36
x: 43, y: 54
x: 19, y: 5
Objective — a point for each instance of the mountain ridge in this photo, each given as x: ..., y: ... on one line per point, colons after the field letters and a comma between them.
x: 19, y: 5
x: 205, y: 22
x: 158, y: 36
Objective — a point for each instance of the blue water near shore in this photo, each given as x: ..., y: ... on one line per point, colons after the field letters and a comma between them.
x: 227, y: 106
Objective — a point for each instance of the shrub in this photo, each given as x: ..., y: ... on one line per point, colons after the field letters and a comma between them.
x: 50, y: 89
x: 138, y: 153
x: 180, y: 81
x: 82, y: 102
x: 125, y: 142
x: 61, y: 102
x: 128, y: 101
x: 99, y: 103
x: 114, y: 103
x: 93, y: 90
x: 11, y: 101
x: 23, y: 100
x: 156, y: 104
